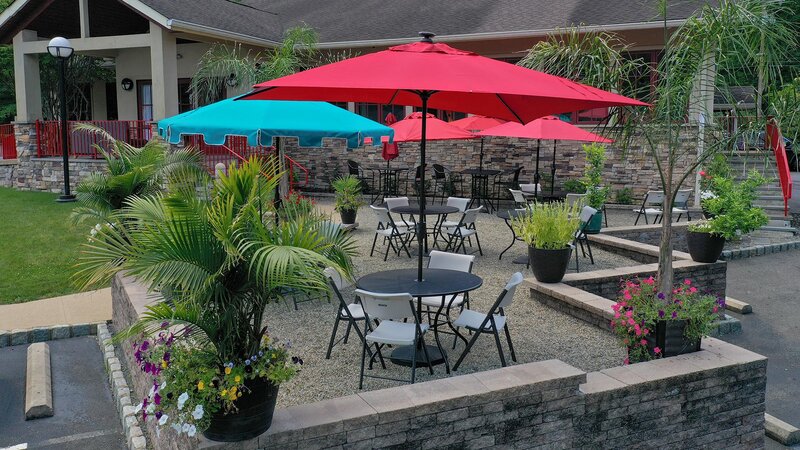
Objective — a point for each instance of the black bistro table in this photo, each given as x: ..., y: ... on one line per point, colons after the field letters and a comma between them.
x: 435, y: 283
x: 479, y: 185
x: 388, y: 181
x: 508, y: 216
x: 440, y: 211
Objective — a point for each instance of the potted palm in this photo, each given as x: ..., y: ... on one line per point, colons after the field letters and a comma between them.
x: 549, y: 230
x: 218, y: 260
x: 731, y: 213
x: 596, y: 195
x: 347, y: 192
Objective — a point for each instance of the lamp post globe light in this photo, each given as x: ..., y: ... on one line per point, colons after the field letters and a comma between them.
x: 61, y: 49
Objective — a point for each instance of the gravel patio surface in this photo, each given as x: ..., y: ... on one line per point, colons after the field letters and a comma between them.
x: 538, y: 332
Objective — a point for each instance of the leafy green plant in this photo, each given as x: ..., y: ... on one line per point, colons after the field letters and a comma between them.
x: 641, y: 306
x: 575, y: 186
x: 596, y: 195
x: 347, y: 191
x: 731, y: 207
x: 624, y: 196
x: 549, y: 226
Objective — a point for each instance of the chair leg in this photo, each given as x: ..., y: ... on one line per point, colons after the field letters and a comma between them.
x: 363, y: 361
x: 467, y: 349
x: 499, y: 348
x: 374, y: 241
x: 386, y: 256
x: 347, y: 332
x: 589, y: 247
x: 414, y: 364
x: 577, y: 263
x: 333, y: 336
x: 478, y: 241
x: 427, y: 356
x: 510, y: 345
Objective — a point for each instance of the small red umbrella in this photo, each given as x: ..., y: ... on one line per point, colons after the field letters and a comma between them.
x: 477, y: 123
x: 390, y: 119
x: 549, y: 127
x: 390, y: 151
x: 410, y: 129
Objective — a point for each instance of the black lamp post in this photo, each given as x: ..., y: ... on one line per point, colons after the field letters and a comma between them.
x: 61, y: 49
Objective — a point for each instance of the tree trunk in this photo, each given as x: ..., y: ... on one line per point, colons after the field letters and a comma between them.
x: 666, y: 273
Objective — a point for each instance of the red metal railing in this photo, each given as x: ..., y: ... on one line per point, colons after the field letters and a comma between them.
x: 82, y: 143
x: 8, y: 143
x: 774, y: 140
x: 237, y: 149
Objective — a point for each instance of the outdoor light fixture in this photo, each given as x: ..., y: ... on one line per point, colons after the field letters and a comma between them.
x: 61, y: 49
x: 231, y: 81
x: 127, y: 84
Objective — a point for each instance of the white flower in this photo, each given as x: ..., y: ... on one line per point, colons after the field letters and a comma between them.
x: 138, y: 408
x: 163, y: 385
x: 185, y: 428
x: 150, y: 408
x: 93, y: 232
x: 192, y: 430
x: 198, y: 412
x: 176, y: 427
x: 163, y: 419
x: 705, y: 195
x: 98, y: 227
x: 152, y: 391
x: 182, y: 400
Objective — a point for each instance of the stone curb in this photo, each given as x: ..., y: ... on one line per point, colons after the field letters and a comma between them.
x: 781, y: 431
x: 737, y: 306
x: 38, y: 382
x: 758, y: 250
x: 728, y: 325
x: 120, y: 391
x: 42, y: 334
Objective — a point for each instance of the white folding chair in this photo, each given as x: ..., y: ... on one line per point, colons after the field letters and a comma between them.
x: 651, y: 206
x: 491, y: 322
x: 530, y: 189
x: 680, y: 204
x: 463, y: 231
x: 391, y: 310
x: 394, y: 202
x: 580, y: 236
x: 572, y: 199
x: 392, y: 233
x: 457, y: 202
x: 519, y: 198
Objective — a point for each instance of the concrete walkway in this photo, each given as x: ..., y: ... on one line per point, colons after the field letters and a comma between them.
x: 83, y: 307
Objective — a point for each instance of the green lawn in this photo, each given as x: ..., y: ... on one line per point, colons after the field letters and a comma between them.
x: 38, y: 246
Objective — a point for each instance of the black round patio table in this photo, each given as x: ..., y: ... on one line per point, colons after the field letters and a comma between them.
x: 435, y: 283
x: 440, y: 211
x: 508, y: 216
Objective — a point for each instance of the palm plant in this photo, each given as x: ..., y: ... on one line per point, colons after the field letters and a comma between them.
x: 217, y: 260
x: 132, y: 172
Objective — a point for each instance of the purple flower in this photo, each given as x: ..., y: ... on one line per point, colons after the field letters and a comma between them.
x: 247, y: 362
x: 159, y: 414
x: 660, y: 295
x: 660, y: 313
x: 297, y: 360
x: 674, y: 314
x: 164, y: 324
x: 157, y: 399
x: 166, y: 356
x: 145, y: 345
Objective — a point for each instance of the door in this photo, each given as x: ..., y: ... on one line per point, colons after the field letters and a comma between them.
x: 144, y: 89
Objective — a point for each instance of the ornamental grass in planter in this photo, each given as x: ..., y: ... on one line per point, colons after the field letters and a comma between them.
x: 347, y: 199
x: 596, y: 194
x: 651, y: 327
x: 549, y: 230
x: 218, y: 259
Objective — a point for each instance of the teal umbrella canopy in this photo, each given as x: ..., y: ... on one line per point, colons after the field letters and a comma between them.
x: 261, y: 121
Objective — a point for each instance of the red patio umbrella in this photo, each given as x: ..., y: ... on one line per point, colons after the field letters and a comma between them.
x: 549, y: 127
x: 477, y: 123
x: 410, y: 129
x: 435, y: 75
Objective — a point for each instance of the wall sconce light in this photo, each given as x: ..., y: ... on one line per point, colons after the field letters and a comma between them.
x: 127, y: 84
x: 231, y: 80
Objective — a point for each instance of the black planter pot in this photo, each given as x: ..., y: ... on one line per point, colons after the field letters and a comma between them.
x: 549, y: 266
x: 348, y: 216
x: 668, y: 337
x: 253, y: 418
x: 704, y: 247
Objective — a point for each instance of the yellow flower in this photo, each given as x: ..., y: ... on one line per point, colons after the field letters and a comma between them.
x: 232, y: 397
x: 237, y: 378
x: 227, y: 371
x: 163, y: 364
x: 223, y: 393
x: 233, y: 390
x: 239, y: 394
x: 200, y: 386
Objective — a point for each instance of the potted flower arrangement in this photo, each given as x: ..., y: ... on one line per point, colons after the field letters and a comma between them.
x: 731, y: 214
x: 596, y: 195
x: 549, y: 230
x: 649, y: 327
x: 347, y: 191
x: 218, y: 260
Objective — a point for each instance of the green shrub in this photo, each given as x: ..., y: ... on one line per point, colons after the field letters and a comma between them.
x: 624, y: 196
x: 575, y: 187
x: 731, y: 207
x: 549, y: 226
x: 348, y: 193
x: 596, y: 195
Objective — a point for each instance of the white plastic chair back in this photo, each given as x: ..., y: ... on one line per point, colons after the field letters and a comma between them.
x: 575, y: 198
x: 654, y: 198
x: 470, y: 216
x: 451, y: 261
x: 386, y: 306
x: 681, y: 199
x: 394, y: 202
x: 382, y: 214
x: 458, y: 202
x: 337, y: 279
x: 530, y: 188
x: 586, y: 213
x: 511, y: 288
x: 518, y: 197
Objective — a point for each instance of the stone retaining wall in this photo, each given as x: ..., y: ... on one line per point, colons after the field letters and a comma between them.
x: 714, y: 397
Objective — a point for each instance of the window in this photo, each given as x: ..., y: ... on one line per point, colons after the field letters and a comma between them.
x: 144, y: 90
x: 644, y: 81
x: 447, y: 116
x: 378, y: 113
x: 185, y: 102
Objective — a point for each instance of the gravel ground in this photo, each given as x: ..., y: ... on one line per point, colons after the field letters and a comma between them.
x: 538, y: 332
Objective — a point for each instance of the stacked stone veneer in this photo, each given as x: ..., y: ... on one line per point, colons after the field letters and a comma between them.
x: 712, y: 398
x: 29, y: 172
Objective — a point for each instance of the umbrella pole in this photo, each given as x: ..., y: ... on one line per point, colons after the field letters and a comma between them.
x: 536, y: 176
x: 421, y: 225
x: 480, y: 165
x: 553, y: 170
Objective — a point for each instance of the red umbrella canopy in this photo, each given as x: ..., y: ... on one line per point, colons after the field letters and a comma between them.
x: 410, y: 129
x: 549, y: 127
x: 477, y: 123
x: 452, y: 79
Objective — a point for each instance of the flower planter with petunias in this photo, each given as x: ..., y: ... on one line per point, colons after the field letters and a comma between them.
x: 650, y: 327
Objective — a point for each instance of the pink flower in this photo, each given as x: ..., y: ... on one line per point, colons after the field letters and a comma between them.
x: 627, y: 295
x: 649, y: 281
x: 629, y: 313
x: 615, y: 306
x: 702, y: 173
x: 645, y: 331
x: 715, y: 309
x: 657, y: 351
x: 687, y: 282
x: 692, y: 289
x: 626, y: 361
x: 616, y: 315
x: 637, y: 329
x: 643, y: 342
x: 631, y: 322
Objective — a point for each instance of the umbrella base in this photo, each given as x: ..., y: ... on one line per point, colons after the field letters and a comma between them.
x: 403, y: 356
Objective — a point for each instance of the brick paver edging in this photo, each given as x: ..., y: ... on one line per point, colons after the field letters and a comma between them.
x: 759, y: 250
x: 42, y: 334
x: 120, y: 391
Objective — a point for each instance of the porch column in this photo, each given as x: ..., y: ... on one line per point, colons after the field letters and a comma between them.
x: 99, y: 107
x: 83, y: 12
x: 27, y: 84
x: 164, y: 68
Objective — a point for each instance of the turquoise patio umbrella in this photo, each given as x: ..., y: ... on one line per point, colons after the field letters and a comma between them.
x: 261, y: 121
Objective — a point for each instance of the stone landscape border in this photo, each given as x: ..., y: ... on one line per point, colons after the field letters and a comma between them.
x: 42, y: 334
